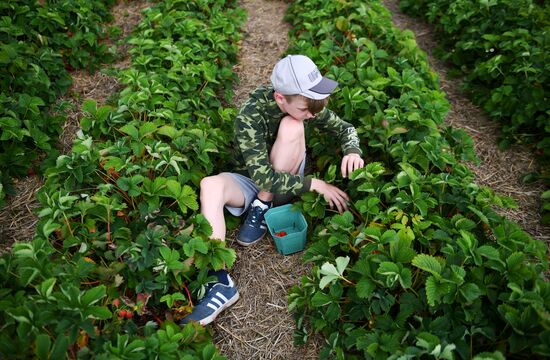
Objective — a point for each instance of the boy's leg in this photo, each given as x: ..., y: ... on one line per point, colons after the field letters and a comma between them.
x: 289, y: 148
x: 287, y: 154
x: 223, y: 189
x: 216, y: 192
x: 288, y: 151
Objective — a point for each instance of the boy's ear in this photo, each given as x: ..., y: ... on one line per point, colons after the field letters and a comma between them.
x: 279, y: 98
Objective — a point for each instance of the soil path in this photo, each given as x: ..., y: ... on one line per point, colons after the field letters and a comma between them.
x: 259, y: 326
x: 501, y: 170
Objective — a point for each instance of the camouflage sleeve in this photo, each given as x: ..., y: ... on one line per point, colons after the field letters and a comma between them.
x: 251, y: 135
x: 345, y: 132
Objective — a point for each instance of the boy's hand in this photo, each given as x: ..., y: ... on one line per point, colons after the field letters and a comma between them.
x: 333, y: 195
x: 351, y: 162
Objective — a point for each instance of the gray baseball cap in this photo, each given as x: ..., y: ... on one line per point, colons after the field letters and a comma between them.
x: 298, y: 74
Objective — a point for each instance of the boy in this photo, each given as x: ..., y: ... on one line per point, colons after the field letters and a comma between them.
x: 270, y: 136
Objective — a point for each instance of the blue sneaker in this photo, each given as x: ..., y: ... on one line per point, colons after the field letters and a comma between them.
x: 254, y: 228
x: 218, y: 297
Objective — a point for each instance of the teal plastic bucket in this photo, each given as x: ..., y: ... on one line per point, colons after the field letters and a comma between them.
x: 293, y: 223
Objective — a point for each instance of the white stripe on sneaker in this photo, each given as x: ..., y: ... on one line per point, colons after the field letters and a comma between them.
x: 220, y: 295
x: 218, y: 302
x: 212, y: 306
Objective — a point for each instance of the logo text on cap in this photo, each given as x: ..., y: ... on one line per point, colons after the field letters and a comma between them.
x: 313, y: 75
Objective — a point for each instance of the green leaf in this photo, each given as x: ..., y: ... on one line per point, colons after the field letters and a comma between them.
x: 405, y: 278
x: 60, y: 347
x: 364, y: 288
x: 470, y: 291
x: 331, y: 273
x: 320, y: 299
x: 388, y: 268
x: 43, y: 343
x: 427, y: 341
x: 515, y: 261
x: 93, y: 295
x: 46, y: 287
x: 481, y: 215
x: 173, y: 187
x: 343, y: 222
x: 427, y: 263
x: 146, y: 129
x: 489, y: 252
x: 9, y: 122
x: 30, y: 103
x: 168, y: 254
x: 208, y: 352
x: 98, y: 312
x: 187, y: 199
x: 432, y: 294
x: 342, y: 24
x: 168, y: 131
x: 89, y: 106
x: 169, y: 299
x: 497, y: 355
x: 401, y: 250
x: 49, y: 227
x: 199, y: 245
x: 130, y: 130
x: 327, y: 279
x: 223, y: 257
x: 464, y: 224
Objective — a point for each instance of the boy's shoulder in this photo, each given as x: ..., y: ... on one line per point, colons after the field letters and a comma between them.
x: 262, y: 93
x: 259, y: 100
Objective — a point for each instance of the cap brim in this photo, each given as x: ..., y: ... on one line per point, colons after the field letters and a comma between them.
x: 324, y: 88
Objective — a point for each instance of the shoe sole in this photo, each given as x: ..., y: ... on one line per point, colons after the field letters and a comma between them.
x: 207, y: 320
x: 250, y: 243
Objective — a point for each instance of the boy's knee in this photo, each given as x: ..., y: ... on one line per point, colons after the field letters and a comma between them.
x: 211, y: 185
x: 290, y: 129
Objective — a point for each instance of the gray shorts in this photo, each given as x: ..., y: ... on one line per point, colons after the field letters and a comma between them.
x: 249, y: 189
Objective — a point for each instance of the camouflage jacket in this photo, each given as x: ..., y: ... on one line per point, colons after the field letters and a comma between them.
x: 255, y: 131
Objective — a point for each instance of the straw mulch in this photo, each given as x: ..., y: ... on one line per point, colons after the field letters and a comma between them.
x: 498, y: 169
x: 259, y: 325
x: 17, y: 217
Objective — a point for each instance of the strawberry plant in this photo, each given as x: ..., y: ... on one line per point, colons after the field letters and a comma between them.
x: 421, y: 265
x: 120, y: 243
x: 40, y: 42
x: 501, y: 49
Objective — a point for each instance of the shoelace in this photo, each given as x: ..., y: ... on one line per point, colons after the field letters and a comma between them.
x: 255, y: 214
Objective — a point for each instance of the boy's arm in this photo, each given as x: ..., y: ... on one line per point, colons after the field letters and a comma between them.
x: 251, y: 138
x: 346, y: 133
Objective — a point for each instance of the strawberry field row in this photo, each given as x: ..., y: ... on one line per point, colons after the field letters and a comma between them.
x: 502, y: 49
x: 39, y: 43
x: 120, y: 251
x: 422, y: 265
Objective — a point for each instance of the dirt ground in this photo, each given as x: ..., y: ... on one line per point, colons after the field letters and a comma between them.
x: 259, y: 326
